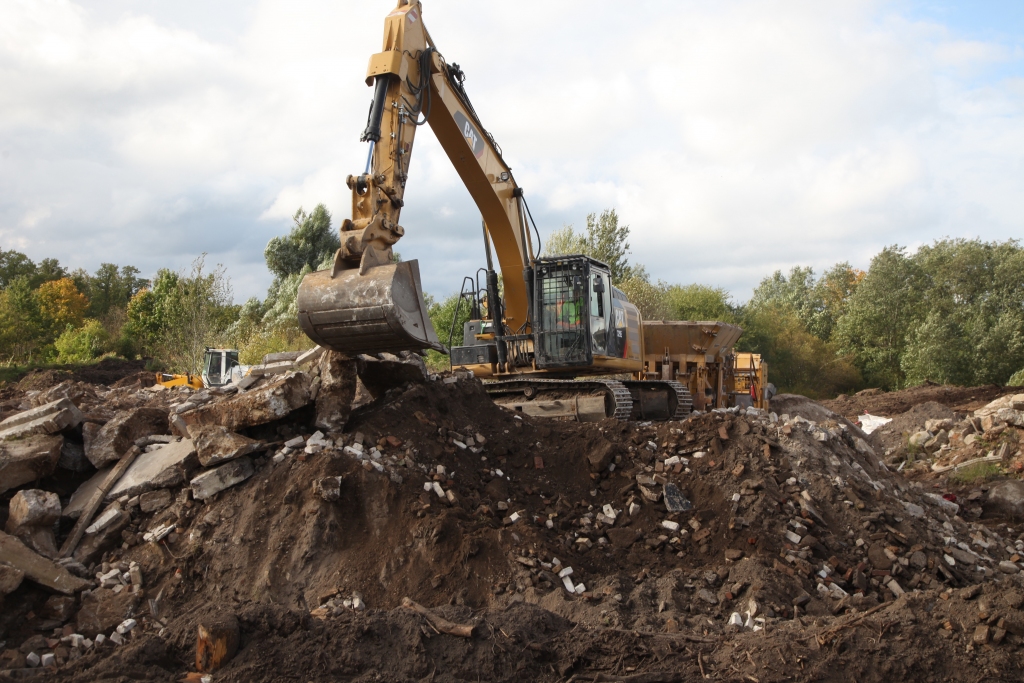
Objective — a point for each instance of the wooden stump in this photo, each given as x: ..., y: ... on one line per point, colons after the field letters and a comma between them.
x: 216, y: 642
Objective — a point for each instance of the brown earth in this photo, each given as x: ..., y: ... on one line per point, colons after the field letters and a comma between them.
x: 892, y: 403
x: 280, y: 556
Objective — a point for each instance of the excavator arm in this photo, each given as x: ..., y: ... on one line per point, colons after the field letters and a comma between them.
x: 368, y: 303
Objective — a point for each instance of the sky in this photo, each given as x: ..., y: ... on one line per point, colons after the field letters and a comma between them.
x: 735, y: 138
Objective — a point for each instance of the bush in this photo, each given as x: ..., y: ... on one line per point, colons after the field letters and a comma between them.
x: 83, y: 344
x: 1016, y: 380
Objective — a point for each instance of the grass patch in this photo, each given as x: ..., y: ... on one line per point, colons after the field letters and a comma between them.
x: 976, y: 473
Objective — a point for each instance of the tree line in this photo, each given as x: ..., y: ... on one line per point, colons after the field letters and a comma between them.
x: 950, y: 312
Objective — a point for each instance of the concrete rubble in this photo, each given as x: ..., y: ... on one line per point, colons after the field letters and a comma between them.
x: 290, y: 492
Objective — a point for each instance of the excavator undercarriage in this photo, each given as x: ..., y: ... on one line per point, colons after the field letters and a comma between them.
x: 593, y: 400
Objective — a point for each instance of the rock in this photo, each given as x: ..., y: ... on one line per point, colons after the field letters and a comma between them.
x: 103, y: 609
x: 25, y: 460
x: 93, y: 545
x: 877, y: 557
x: 31, y: 518
x: 76, y: 392
x: 37, y: 568
x: 118, y: 435
x: 72, y: 457
x: 601, y: 455
x: 89, y: 432
x: 918, y: 560
x: 215, y: 444
x: 256, y: 406
x: 622, y: 537
x: 212, y: 482
x: 33, y: 507
x: 59, y: 607
x: 328, y: 488
x: 675, y: 501
x: 1008, y: 567
x: 164, y: 467
x: 338, y: 380
x: 913, y: 509
x: 919, y: 439
x: 311, y: 356
x: 981, y: 634
x: 707, y: 596
x: 1006, y: 499
x: 155, y: 500
x: 10, y: 578
x: 47, y: 419
x: 940, y: 440
x: 733, y: 554
x: 388, y: 371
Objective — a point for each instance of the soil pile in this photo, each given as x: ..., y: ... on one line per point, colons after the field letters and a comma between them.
x: 737, y: 545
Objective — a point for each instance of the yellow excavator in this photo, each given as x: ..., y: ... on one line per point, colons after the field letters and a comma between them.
x: 561, y: 332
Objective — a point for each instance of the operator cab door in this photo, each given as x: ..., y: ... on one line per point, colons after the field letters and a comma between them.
x: 600, y: 312
x: 213, y: 367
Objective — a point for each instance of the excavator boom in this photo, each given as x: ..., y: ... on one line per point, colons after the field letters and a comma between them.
x: 368, y: 303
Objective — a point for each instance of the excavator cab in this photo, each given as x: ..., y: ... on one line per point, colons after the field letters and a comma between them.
x: 562, y: 321
x: 218, y: 366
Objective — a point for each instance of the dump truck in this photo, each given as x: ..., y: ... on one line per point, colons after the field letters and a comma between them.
x: 557, y: 330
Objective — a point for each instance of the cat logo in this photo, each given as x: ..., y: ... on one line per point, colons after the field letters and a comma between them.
x: 476, y: 142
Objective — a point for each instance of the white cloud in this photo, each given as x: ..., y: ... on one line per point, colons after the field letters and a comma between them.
x: 735, y: 137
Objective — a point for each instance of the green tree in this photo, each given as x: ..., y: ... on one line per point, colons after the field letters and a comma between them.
x: 195, y: 307
x: 879, y: 315
x: 112, y: 287
x: 307, y: 245
x: 699, y: 302
x: 604, y: 240
x: 82, y: 344
x: 14, y: 264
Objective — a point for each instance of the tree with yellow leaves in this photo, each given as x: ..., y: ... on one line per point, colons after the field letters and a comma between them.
x: 61, y: 304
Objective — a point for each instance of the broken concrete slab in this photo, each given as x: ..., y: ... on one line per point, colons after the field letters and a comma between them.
x: 216, y: 444
x: 119, y: 434
x: 93, y: 545
x: 212, y: 482
x: 270, y: 369
x: 280, y: 356
x: 46, y: 419
x: 257, y: 406
x: 37, y: 568
x: 25, y: 460
x: 80, y: 498
x: 155, y: 500
x: 338, y: 379
x: 311, y: 356
x: 10, y: 578
x: 76, y: 392
x: 163, y: 467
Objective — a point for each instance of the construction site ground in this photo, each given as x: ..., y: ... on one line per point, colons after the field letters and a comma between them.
x: 783, y: 545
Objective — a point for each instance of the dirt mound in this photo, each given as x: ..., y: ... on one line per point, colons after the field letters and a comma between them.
x: 733, y: 545
x: 106, y: 372
x: 891, y: 438
x: 890, y: 404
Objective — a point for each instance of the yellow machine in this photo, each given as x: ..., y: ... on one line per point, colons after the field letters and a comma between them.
x: 186, y: 380
x: 700, y: 355
x: 220, y: 368
x: 561, y: 328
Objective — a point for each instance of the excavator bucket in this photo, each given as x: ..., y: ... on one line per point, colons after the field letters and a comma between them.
x: 382, y: 310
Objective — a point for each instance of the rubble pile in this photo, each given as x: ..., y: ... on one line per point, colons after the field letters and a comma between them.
x: 332, y: 518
